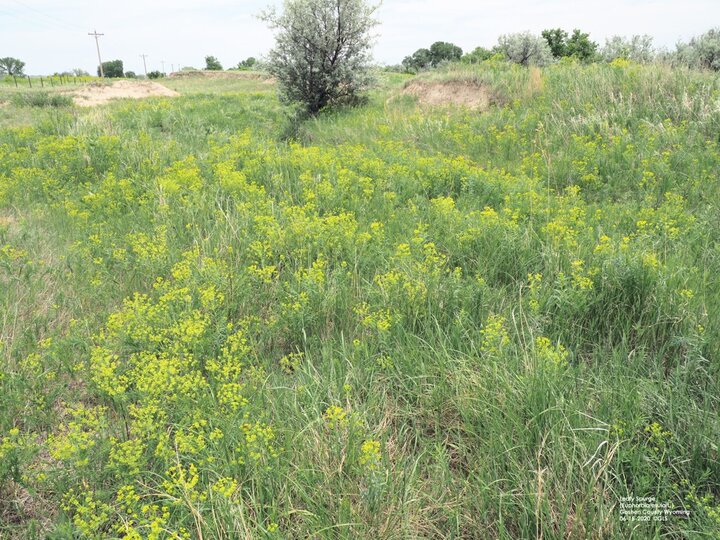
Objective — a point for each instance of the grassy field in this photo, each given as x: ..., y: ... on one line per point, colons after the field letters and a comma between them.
x: 392, y: 321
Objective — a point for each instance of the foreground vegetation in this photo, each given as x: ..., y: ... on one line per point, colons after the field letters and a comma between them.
x: 406, y: 323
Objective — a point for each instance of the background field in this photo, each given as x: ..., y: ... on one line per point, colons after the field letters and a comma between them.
x: 393, y: 321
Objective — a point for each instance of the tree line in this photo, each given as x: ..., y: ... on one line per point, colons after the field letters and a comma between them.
x: 555, y: 44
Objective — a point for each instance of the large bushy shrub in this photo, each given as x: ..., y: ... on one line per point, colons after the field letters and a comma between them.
x: 525, y: 49
x: 702, y: 51
x: 322, y: 50
x: 636, y: 48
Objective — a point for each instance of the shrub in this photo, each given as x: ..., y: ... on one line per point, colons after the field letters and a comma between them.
x: 702, y: 51
x: 41, y: 99
x: 155, y: 75
x: 130, y: 75
x: 525, y: 49
x: 322, y: 50
x: 637, y: 49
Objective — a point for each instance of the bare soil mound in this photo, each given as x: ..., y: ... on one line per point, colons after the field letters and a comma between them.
x: 100, y: 94
x: 463, y: 93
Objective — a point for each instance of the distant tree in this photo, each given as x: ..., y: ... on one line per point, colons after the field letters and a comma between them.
x: 557, y: 41
x: 322, y: 50
x: 212, y: 64
x: 155, y: 75
x: 130, y: 75
x: 112, y: 69
x: 479, y: 54
x: 701, y: 52
x: 580, y: 46
x: 248, y: 63
x: 420, y: 59
x: 11, y: 66
x: 525, y: 49
x: 188, y: 68
x: 441, y: 51
x: 637, y: 48
x: 80, y: 72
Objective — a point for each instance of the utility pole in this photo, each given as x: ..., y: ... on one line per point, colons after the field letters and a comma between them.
x: 144, y: 56
x: 97, y: 44
x: 172, y: 68
x: 163, y: 66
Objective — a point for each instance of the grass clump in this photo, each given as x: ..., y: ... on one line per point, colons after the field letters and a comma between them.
x: 41, y: 99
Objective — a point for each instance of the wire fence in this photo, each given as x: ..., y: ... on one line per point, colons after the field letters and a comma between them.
x: 26, y: 81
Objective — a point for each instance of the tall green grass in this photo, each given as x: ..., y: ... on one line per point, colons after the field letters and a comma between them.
x: 405, y: 323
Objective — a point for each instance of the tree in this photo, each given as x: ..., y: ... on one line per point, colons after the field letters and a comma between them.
x: 479, y: 54
x: 557, y: 41
x: 581, y: 47
x: 525, y: 49
x: 112, y: 69
x: 248, y: 63
x: 11, y: 66
x: 322, y: 50
x: 420, y: 59
x: 441, y: 51
x: 78, y: 72
x: 155, y: 75
x: 212, y: 64
x: 130, y: 75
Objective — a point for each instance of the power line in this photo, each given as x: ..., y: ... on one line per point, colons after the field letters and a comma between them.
x: 25, y: 18
x: 49, y: 18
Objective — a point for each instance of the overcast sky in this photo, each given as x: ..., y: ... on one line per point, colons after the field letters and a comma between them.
x: 51, y: 35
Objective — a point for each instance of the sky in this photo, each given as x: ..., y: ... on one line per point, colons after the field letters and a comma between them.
x: 52, y: 35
